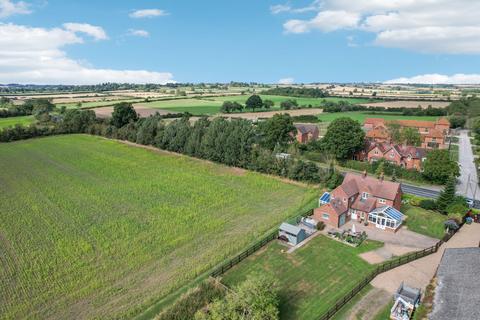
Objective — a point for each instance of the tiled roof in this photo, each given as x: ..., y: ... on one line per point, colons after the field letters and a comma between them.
x: 434, y: 133
x: 377, y: 133
x: 306, y: 128
x: 403, y: 123
x: 365, y: 205
x: 378, y: 188
x: 443, y: 121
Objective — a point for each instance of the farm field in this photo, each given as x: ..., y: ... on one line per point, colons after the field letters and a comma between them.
x: 212, y: 105
x: 94, y: 104
x: 310, y: 279
x: 407, y: 104
x: 93, y: 228
x: 12, y: 121
x: 362, y: 115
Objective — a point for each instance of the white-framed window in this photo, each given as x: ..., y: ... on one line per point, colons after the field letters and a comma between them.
x: 392, y: 155
x: 376, y: 152
x: 382, y: 201
x: 409, y: 157
x: 344, y: 199
x: 325, y: 216
x: 352, y: 211
x: 364, y: 195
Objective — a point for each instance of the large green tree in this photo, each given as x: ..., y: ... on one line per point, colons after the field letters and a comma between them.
x: 123, y: 113
x: 253, y: 102
x: 447, y: 196
x: 411, y: 137
x: 343, y: 138
x: 438, y: 166
x: 277, y: 131
x: 254, y: 299
x: 395, y: 132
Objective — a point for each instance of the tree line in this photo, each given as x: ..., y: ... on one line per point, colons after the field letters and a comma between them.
x: 235, y: 142
x: 297, y: 92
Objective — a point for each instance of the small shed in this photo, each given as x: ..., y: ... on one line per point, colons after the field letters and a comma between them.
x: 294, y: 234
x: 324, y: 199
x: 406, y: 300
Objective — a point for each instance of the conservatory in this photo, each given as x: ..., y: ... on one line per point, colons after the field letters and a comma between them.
x: 386, y: 217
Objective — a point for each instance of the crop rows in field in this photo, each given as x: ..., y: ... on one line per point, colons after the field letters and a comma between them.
x: 94, y: 228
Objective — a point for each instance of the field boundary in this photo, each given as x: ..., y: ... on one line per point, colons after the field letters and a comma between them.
x: 225, y: 266
x: 386, y: 266
x: 152, y: 310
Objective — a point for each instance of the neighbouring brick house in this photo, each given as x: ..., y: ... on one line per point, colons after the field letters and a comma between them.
x: 306, y: 132
x: 433, y: 133
x: 404, y: 156
x: 363, y: 198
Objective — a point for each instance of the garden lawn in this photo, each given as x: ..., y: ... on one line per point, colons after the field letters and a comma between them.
x: 212, y: 105
x: 93, y: 228
x: 360, y: 116
x: 12, y: 121
x: 427, y: 222
x: 312, y: 278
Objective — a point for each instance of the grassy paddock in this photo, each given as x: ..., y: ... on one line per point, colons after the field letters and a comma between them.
x: 312, y: 278
x: 427, y: 222
x: 92, y: 228
x: 12, y: 121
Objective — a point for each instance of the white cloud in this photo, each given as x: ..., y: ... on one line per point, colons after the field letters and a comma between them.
x: 436, y: 78
x: 9, y: 8
x: 36, y: 56
x: 148, y: 13
x: 286, y: 81
x: 327, y: 21
x: 138, y: 33
x: 94, y: 31
x: 436, y: 26
x: 279, y: 8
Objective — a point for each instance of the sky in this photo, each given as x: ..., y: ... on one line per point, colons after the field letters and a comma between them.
x: 269, y: 41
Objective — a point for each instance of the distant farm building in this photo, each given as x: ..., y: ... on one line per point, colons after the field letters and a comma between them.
x: 306, y: 132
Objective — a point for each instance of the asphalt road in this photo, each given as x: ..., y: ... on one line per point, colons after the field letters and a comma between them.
x: 468, y: 180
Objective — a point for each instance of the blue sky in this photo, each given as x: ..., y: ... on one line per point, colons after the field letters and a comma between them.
x: 249, y: 40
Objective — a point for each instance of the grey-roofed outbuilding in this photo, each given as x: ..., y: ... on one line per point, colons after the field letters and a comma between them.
x: 457, y: 294
x: 294, y: 234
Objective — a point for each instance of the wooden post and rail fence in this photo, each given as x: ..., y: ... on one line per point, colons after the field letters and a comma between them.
x: 386, y: 266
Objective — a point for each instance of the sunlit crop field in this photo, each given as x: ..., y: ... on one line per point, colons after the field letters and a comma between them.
x: 93, y: 228
x: 212, y: 105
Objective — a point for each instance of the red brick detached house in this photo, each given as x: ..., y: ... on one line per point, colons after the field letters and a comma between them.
x: 404, y: 156
x: 433, y: 133
x: 306, y: 132
x: 362, y: 198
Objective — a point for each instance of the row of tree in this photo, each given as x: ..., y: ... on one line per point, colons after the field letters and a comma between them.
x: 296, y: 92
x: 32, y: 106
x: 253, y: 102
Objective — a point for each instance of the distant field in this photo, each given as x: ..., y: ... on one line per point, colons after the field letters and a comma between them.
x: 212, y: 105
x: 408, y: 104
x: 93, y: 228
x: 95, y: 103
x: 361, y: 115
x: 12, y: 121
x: 312, y: 278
